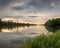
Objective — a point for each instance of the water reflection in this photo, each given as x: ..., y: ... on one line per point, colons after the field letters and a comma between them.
x: 25, y: 29
x: 19, y: 34
x: 30, y: 31
x: 15, y: 29
x: 52, y: 29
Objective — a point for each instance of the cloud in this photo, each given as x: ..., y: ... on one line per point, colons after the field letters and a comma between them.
x: 37, y: 4
x: 43, y: 4
x: 30, y: 8
x: 17, y: 8
x: 32, y: 16
x: 34, y: 6
x: 4, y: 3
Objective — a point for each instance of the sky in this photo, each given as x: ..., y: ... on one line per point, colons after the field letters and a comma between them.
x: 32, y: 11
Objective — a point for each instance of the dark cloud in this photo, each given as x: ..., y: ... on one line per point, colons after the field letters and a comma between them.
x: 24, y: 17
x: 42, y: 4
x: 4, y: 3
x: 39, y: 5
x: 17, y: 8
x: 29, y: 6
x: 32, y: 16
x: 34, y: 2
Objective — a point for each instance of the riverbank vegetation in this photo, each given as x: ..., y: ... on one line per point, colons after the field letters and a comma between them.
x: 49, y: 40
x: 45, y: 41
x: 53, y: 25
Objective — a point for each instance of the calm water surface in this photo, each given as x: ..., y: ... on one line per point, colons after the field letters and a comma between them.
x: 18, y: 35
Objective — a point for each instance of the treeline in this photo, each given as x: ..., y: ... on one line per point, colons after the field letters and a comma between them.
x: 13, y: 24
x: 53, y: 24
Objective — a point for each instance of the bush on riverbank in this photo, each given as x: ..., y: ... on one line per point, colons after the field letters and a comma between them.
x: 45, y: 41
x: 53, y: 24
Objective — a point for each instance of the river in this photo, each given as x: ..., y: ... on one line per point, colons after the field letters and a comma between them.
x: 18, y: 35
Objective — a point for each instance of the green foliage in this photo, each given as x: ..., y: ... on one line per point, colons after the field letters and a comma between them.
x: 53, y: 25
x: 45, y: 41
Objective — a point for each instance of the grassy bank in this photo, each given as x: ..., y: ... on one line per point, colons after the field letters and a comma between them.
x: 45, y: 41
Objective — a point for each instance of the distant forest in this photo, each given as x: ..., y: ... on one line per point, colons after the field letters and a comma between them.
x: 10, y: 24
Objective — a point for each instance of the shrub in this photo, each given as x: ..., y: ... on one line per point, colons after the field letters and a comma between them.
x: 45, y: 41
x: 53, y: 25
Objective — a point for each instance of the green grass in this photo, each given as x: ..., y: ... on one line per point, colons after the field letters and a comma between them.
x: 45, y: 41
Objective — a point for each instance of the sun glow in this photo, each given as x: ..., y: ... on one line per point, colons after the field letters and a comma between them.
x: 19, y: 29
x: 6, y: 19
